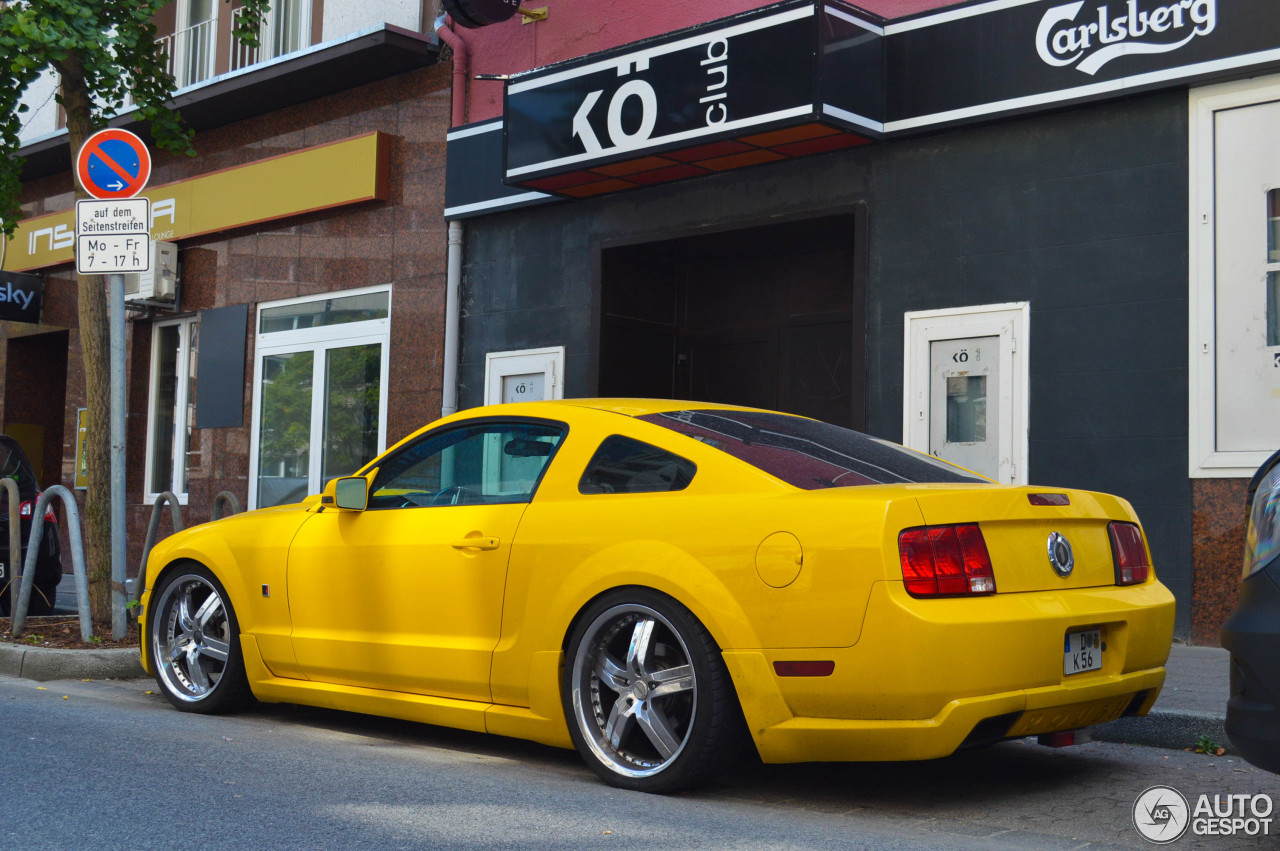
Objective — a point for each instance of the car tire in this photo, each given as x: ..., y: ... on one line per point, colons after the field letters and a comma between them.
x: 194, y: 639
x: 648, y: 700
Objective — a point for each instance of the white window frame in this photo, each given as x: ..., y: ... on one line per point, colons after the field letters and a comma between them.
x: 1010, y: 322
x: 181, y: 46
x: 271, y: 22
x: 1205, y: 460
x: 317, y: 340
x: 498, y: 365
x: 185, y: 324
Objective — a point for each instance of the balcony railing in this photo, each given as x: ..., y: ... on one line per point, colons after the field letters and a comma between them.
x: 190, y: 53
x: 242, y: 55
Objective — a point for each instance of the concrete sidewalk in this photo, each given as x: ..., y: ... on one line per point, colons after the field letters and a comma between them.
x: 1193, y: 703
x: 47, y: 663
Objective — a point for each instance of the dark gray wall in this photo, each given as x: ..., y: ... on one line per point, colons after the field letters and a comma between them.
x: 1083, y: 213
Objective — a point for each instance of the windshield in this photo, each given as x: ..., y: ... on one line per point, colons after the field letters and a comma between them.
x: 14, y: 465
x: 809, y: 454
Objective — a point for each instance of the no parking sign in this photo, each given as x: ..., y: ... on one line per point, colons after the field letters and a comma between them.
x: 113, y: 164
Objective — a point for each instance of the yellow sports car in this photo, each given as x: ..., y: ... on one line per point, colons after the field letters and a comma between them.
x: 663, y: 584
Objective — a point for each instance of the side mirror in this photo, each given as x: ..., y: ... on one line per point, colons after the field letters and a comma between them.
x: 351, y: 492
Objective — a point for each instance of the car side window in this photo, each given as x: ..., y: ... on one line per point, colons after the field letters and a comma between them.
x: 477, y: 464
x: 623, y: 465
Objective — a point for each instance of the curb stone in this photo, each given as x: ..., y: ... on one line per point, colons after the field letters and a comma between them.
x: 1168, y: 728
x: 49, y: 663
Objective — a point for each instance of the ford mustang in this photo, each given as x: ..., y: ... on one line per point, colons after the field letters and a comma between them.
x: 665, y: 585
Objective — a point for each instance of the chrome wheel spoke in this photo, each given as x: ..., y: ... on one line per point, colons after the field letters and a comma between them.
x: 671, y: 681
x: 638, y: 651
x: 657, y: 728
x: 211, y: 606
x: 620, y: 720
x: 611, y: 673
x: 184, y: 614
x: 175, y: 651
x: 215, y: 649
x: 196, y: 671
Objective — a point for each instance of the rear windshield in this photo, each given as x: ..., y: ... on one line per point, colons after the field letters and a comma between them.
x: 807, y: 453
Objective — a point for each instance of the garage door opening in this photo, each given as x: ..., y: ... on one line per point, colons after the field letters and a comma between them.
x: 771, y: 316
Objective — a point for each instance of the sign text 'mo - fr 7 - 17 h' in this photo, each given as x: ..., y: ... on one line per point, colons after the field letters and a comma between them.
x: 113, y: 234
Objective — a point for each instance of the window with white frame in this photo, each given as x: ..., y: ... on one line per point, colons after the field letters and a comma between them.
x: 1235, y: 277
x: 286, y: 28
x: 171, y: 441
x: 319, y: 396
x: 191, y: 48
x: 527, y: 375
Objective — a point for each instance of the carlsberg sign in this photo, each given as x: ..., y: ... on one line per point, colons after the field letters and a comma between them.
x: 1066, y: 37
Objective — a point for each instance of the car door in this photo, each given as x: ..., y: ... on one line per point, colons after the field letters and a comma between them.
x: 407, y: 594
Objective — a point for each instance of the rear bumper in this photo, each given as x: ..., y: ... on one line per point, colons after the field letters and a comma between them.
x: 926, y: 679
x: 1252, y: 634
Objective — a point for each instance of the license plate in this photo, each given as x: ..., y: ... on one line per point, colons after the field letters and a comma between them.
x: 1082, y: 652
x: 2, y: 573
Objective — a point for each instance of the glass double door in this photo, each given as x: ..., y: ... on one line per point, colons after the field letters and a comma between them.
x: 320, y: 415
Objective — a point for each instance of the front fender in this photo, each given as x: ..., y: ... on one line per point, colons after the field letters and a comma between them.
x: 248, y: 553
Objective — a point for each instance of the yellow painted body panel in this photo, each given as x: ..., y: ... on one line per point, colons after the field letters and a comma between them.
x: 246, y: 552
x: 382, y: 599
x: 378, y: 612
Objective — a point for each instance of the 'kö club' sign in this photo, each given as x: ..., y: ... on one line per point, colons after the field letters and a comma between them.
x: 810, y: 76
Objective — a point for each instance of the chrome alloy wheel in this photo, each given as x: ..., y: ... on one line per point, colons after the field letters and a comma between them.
x: 191, y: 638
x: 634, y: 690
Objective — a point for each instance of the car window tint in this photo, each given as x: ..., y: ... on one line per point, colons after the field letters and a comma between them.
x: 807, y: 453
x: 14, y: 465
x: 623, y: 465
x: 482, y: 463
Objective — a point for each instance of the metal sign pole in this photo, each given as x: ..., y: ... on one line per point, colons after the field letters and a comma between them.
x: 113, y: 236
x: 115, y: 296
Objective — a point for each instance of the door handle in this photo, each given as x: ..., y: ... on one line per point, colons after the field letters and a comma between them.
x: 477, y: 543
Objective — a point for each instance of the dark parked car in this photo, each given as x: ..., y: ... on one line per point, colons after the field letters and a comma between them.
x: 1252, y: 634
x: 14, y: 464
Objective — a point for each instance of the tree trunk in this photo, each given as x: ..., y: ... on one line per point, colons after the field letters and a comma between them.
x: 95, y: 347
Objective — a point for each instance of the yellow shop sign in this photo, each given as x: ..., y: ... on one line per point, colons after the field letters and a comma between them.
x: 319, y: 178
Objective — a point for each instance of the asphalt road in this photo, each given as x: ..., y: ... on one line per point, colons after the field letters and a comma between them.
x: 104, y: 764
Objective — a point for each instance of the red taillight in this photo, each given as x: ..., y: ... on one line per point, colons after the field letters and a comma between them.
x: 945, y: 561
x: 1129, y: 554
x: 25, y: 509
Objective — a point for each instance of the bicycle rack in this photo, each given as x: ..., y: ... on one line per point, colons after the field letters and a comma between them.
x: 175, y: 516
x: 225, y: 498
x: 15, y: 544
x: 18, y: 613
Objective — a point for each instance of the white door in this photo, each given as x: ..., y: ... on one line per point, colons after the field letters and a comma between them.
x: 1247, y: 199
x: 965, y: 387
x: 964, y: 403
x: 527, y: 375
x: 319, y: 397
